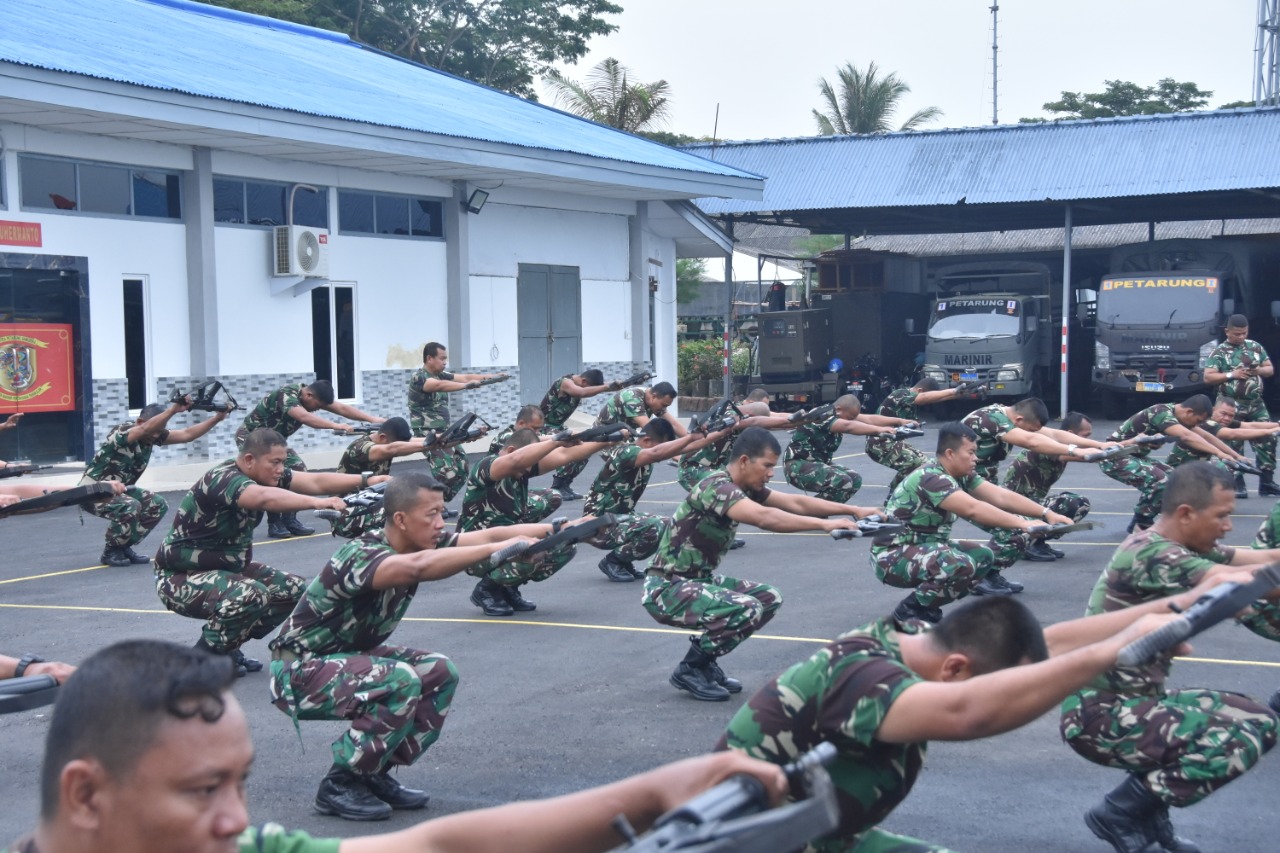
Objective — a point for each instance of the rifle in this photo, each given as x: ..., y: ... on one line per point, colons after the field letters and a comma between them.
x: 1153, y: 440
x: 204, y: 397
x: 600, y: 432
x: 1111, y: 453
x: 634, y: 379
x: 972, y: 388
x: 734, y: 816
x: 361, y: 430
x: 27, y: 692
x: 90, y: 493
x: 904, y: 432
x: 815, y: 415
x: 460, y: 431
x: 1236, y: 465
x: 1221, y: 602
x: 560, y: 537
x: 1057, y: 531
x: 368, y: 499
x: 870, y: 526
x: 17, y: 469
x: 492, y: 380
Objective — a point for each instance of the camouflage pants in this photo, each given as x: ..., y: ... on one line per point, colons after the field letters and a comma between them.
x: 939, y: 572
x: 542, y: 502
x: 691, y: 475
x: 1264, y: 449
x: 1186, y: 743
x: 395, y: 698
x: 725, y: 609
x: 1269, y: 533
x: 449, y: 466
x: 565, y: 473
x: 895, y: 454
x: 237, y: 606
x: 635, y: 538
x: 829, y: 482
x: 1009, y: 545
x: 355, y: 524
x: 1145, y: 475
x: 292, y: 461
x: 132, y: 515
x: 541, y: 567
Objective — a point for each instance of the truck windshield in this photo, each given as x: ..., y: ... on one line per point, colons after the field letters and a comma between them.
x: 1141, y: 301
x: 974, y: 318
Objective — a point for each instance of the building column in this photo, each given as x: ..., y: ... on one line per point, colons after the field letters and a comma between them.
x: 202, y: 273
x: 458, y: 275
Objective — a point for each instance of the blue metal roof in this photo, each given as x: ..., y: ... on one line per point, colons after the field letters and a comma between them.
x: 211, y: 52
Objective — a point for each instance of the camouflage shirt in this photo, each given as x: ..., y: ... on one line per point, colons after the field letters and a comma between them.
x: 272, y: 411
x: 341, y: 612
x: 917, y: 503
x: 119, y: 459
x: 209, y: 517
x: 1182, y: 453
x: 557, y: 406
x: 356, y: 459
x: 1153, y: 420
x: 493, y: 503
x: 428, y: 409
x: 1147, y: 566
x: 1227, y: 357
x: 814, y: 442
x: 840, y: 695
x: 901, y: 403
x: 625, y: 407
x: 499, y: 440
x: 701, y: 530
x: 620, y: 483
x: 990, y: 423
x: 1032, y: 474
x: 714, y: 455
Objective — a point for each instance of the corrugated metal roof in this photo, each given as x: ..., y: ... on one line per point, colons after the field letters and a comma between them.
x: 206, y: 51
x: 1059, y: 161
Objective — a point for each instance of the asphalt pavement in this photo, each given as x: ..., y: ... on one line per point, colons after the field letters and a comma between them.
x: 576, y: 694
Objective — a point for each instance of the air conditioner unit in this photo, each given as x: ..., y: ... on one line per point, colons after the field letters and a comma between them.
x: 300, y: 250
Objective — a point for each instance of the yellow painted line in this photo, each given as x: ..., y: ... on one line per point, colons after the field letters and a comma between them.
x: 53, y: 574
x: 91, y: 609
x: 1230, y: 662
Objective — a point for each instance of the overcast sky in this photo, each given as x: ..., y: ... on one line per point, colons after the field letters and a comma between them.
x: 761, y: 60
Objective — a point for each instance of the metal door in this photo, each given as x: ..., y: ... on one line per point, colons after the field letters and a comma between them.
x: 549, y: 306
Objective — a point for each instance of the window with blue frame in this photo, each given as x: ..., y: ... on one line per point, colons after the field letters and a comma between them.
x: 389, y: 215
x: 242, y: 202
x: 77, y: 186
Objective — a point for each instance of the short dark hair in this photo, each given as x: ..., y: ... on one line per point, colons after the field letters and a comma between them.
x: 664, y: 389
x: 404, y: 491
x: 1223, y: 400
x: 522, y: 437
x: 659, y: 429
x: 396, y: 429
x: 593, y: 376
x: 928, y: 383
x: 432, y: 349
x: 757, y: 395
x: 1237, y: 321
x: 1072, y: 421
x: 994, y: 632
x: 529, y: 414
x: 952, y: 436
x: 261, y: 441
x: 323, y: 389
x: 150, y: 410
x: 1192, y: 484
x: 1034, y: 409
x: 848, y: 401
x: 754, y: 442
x: 114, y: 705
x: 1198, y: 403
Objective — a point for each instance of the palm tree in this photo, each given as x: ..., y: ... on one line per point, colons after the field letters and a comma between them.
x: 608, y: 97
x: 865, y: 103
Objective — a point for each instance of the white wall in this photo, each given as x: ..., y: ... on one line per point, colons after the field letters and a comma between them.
x: 495, y: 335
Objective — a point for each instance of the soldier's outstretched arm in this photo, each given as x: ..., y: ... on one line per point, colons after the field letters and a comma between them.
x: 575, y: 823
x: 1254, y: 431
x: 690, y: 443
x: 1039, y: 443
x: 1010, y: 501
x: 331, y: 483
x: 501, y: 534
x: 152, y: 427
x: 562, y: 455
x: 1063, y: 436
x: 882, y: 420
x: 347, y: 410
x: 781, y: 521
x: 396, y: 449
x: 272, y: 499
x: 675, y: 424
x: 573, y: 389
x: 522, y: 459
x: 856, y: 427
x: 1193, y: 441
x: 191, y: 433
x: 311, y: 419
x: 436, y: 564
x: 1211, y: 439
x: 817, y: 507
x: 982, y: 512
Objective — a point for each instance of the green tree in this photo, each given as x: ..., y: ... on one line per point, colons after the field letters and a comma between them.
x: 609, y: 97
x: 689, y: 273
x: 506, y: 44
x: 816, y: 244
x: 865, y: 102
x: 1123, y: 98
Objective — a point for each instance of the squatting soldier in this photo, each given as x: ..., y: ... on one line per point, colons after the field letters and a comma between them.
x: 498, y: 495
x: 331, y: 660
x: 373, y: 454
x: 1238, y: 366
x: 636, y: 405
x: 123, y: 457
x: 429, y: 390
x: 542, y: 502
x: 1178, y: 420
x: 559, y: 404
x: 904, y: 403
x: 205, y: 568
x: 1023, y: 425
x: 286, y: 410
x: 1177, y: 746
x: 922, y: 556
x: 880, y: 695
x: 1225, y: 426
x: 618, y: 488
x: 682, y: 587
x: 1032, y: 475
x: 808, y: 461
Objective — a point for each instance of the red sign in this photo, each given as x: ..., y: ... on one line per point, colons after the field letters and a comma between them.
x: 20, y: 233
x: 36, y: 368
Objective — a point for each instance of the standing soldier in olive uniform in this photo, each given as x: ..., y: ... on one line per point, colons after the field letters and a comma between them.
x: 286, y: 410
x: 123, y: 457
x: 1023, y: 425
x: 331, y: 660
x: 808, y: 461
x: 636, y: 405
x: 904, y: 403
x: 372, y: 454
x: 559, y: 404
x: 1239, y: 365
x: 1177, y: 746
x: 922, y: 556
x: 205, y: 568
x: 429, y: 390
x: 683, y: 588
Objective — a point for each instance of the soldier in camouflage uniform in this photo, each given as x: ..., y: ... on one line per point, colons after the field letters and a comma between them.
x: 1238, y: 366
x: 714, y: 456
x: 558, y: 405
x: 1022, y: 425
x: 373, y: 453
x: 1177, y: 746
x: 682, y: 587
x: 429, y: 390
x: 808, y: 463
x: 497, y: 495
x: 636, y: 405
x: 331, y: 659
x: 205, y: 568
x: 1225, y: 427
x: 922, y: 556
x: 879, y: 695
x: 123, y: 457
x: 904, y: 403
x: 542, y: 502
x: 286, y: 410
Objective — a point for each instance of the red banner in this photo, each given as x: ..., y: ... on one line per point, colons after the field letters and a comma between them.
x: 15, y: 233
x: 36, y: 368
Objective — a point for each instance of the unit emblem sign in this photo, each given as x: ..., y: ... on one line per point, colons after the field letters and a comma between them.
x: 36, y: 367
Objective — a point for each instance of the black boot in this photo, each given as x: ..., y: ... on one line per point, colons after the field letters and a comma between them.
x: 1135, y: 523
x: 1242, y: 491
x: 249, y: 664
x: 518, y: 602
x: 1274, y: 702
x: 275, y: 526
x: 1267, y: 487
x: 297, y: 528
x: 737, y: 543
x: 240, y: 670
x: 490, y: 598
x: 115, y: 557
x: 1165, y: 835
x: 1057, y: 553
x: 393, y: 793
x: 911, y: 610
x: 992, y: 584
x: 616, y: 570
x: 134, y: 557
x: 694, y: 675
x: 1039, y: 553
x: 564, y: 486
x: 449, y: 513
x: 733, y: 685
x: 1124, y: 818
x: 346, y: 795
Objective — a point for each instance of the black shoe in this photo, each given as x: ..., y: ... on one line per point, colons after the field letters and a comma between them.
x: 297, y: 528
x: 448, y: 514
x: 275, y: 526
x: 733, y: 685
x: 1165, y: 835
x: 636, y: 573
x: 1274, y: 702
x: 239, y: 668
x: 249, y: 664
x: 911, y: 610
x: 1242, y: 491
x: 1124, y: 818
x: 134, y: 557
x: 1057, y: 554
x: 393, y: 793
x: 115, y: 557
x: 490, y: 598
x: 991, y: 585
x: 517, y: 601
x: 699, y: 683
x: 1039, y: 553
x: 1012, y: 586
x: 616, y: 570
x: 346, y: 795
x: 568, y: 494
x: 1267, y: 487
x: 737, y: 543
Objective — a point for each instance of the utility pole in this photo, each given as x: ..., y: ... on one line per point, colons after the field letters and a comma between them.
x: 1266, y: 78
x: 995, y: 66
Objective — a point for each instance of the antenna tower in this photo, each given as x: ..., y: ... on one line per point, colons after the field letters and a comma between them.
x: 1266, y: 78
x: 995, y: 67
